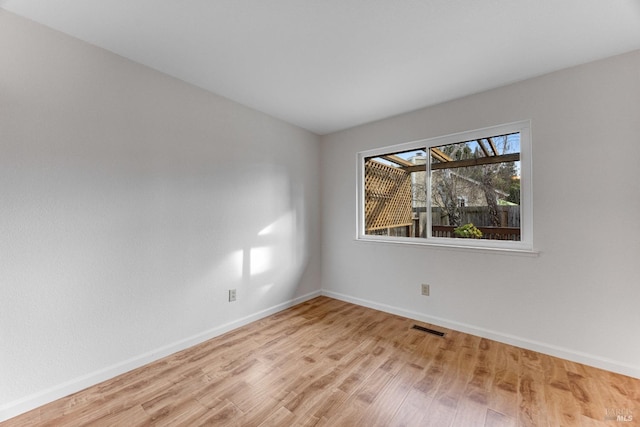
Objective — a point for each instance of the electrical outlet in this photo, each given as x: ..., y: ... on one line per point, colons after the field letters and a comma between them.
x: 232, y: 295
x: 425, y: 289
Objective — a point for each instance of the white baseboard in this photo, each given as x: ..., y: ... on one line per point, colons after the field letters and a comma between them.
x: 20, y: 406
x: 552, y: 350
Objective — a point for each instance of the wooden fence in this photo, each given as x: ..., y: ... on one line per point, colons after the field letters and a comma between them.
x: 490, y: 233
x: 479, y: 215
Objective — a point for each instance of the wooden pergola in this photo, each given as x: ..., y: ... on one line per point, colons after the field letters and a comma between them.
x: 388, y: 198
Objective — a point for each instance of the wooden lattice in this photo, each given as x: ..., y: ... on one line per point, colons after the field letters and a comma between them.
x: 387, y: 196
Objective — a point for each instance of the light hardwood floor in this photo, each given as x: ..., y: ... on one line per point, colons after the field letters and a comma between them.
x: 330, y: 363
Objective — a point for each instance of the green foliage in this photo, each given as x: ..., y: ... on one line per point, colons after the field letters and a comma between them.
x: 469, y: 231
x: 514, y: 191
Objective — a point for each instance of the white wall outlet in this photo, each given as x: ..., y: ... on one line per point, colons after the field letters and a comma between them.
x: 425, y: 289
x: 232, y: 295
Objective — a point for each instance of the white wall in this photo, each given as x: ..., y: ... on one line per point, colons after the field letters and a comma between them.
x: 130, y: 202
x: 580, y: 298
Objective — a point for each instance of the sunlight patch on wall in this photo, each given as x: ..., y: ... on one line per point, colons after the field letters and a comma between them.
x: 260, y: 260
x: 282, y: 227
x: 269, y: 229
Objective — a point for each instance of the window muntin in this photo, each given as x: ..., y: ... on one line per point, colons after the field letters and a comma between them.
x: 479, y: 177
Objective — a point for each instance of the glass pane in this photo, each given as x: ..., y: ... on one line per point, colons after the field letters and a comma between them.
x: 395, y: 194
x: 475, y: 189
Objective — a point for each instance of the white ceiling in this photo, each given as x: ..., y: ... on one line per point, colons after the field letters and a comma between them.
x: 327, y: 65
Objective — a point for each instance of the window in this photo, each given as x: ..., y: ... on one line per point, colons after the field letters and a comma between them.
x: 469, y: 189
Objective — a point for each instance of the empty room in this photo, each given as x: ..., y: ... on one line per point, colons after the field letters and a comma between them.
x: 319, y: 213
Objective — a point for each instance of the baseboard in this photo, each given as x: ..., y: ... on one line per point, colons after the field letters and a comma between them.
x: 564, y: 353
x: 20, y: 406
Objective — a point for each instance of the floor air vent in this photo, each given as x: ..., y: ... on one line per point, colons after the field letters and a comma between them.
x: 427, y: 330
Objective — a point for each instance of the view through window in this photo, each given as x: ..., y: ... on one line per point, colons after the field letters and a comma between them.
x: 466, y: 186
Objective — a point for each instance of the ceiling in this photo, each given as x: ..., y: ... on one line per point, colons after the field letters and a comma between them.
x: 327, y: 65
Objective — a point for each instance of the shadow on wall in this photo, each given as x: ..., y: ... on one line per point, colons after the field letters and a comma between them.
x: 271, y: 254
x: 102, y: 265
x: 100, y: 250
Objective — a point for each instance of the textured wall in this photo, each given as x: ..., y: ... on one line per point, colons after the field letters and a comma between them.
x: 130, y: 203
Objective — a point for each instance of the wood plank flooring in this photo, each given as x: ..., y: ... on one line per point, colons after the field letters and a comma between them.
x: 330, y: 363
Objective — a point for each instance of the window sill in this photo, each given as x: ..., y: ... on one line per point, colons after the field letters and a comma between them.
x: 439, y: 244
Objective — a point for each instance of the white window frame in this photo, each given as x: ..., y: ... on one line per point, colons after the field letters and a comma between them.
x: 526, y: 192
